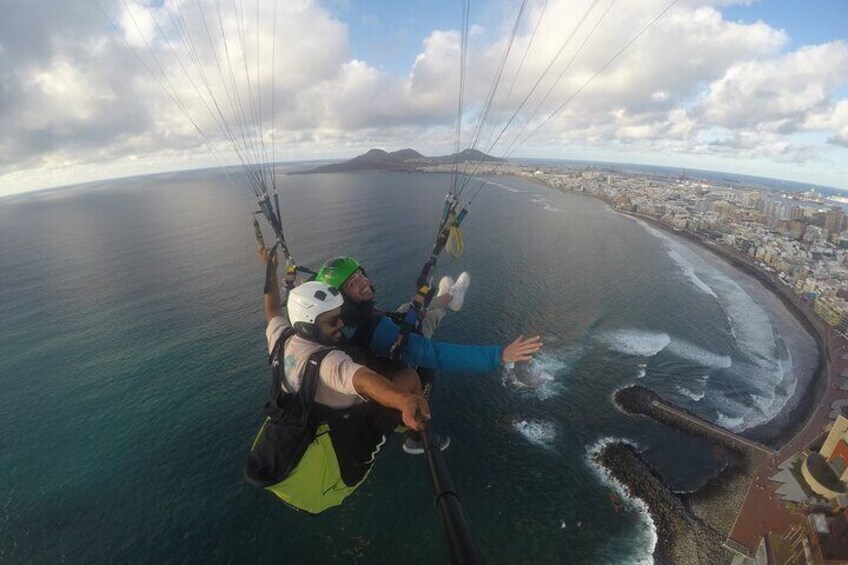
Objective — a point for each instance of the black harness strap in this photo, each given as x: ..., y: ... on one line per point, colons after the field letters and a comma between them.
x: 292, y: 423
x: 282, y: 399
x: 421, y: 300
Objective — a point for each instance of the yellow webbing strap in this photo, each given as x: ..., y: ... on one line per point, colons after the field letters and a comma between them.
x: 455, y: 245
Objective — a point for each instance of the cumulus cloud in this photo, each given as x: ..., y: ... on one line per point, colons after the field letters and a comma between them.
x: 836, y: 119
x: 780, y: 93
x: 76, y: 89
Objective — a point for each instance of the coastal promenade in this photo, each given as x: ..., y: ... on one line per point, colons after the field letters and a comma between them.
x: 763, y: 511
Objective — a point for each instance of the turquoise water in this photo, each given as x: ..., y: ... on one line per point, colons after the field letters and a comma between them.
x: 132, y: 372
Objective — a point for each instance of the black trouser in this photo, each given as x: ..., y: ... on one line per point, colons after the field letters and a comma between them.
x: 357, y: 435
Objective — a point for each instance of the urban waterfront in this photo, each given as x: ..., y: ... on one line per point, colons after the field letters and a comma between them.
x: 795, y: 501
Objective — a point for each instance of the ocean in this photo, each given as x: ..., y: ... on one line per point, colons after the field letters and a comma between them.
x: 133, y: 370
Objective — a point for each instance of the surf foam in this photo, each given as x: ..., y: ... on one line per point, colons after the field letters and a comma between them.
x: 545, y: 204
x: 729, y: 422
x: 692, y: 395
x: 646, y: 555
x: 641, y: 343
x: 764, y: 365
x: 499, y: 185
x: 539, y: 376
x: 537, y: 432
x: 692, y: 352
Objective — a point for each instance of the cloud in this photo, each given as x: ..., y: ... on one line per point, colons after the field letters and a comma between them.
x: 781, y: 93
x: 76, y: 96
x: 835, y: 119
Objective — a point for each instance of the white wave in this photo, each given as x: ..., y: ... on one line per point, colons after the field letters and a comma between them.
x: 641, y: 343
x: 503, y: 186
x: 673, y: 248
x: 729, y: 422
x: 646, y: 555
x: 642, y: 370
x: 537, y: 432
x: 689, y: 271
x: 688, y: 393
x: 691, y: 352
x: 749, y: 322
x: 764, y: 365
x: 763, y: 402
x: 540, y: 375
x: 545, y: 204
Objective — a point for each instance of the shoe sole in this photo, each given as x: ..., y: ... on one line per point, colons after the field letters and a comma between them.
x: 420, y: 450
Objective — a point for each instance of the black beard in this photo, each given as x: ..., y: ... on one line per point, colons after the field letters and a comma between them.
x: 354, y: 314
x: 326, y: 340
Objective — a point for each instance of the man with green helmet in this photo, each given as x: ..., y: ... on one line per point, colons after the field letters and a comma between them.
x: 347, y: 275
x: 374, y: 331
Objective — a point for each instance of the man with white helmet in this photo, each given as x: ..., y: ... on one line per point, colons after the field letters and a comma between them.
x: 354, y: 407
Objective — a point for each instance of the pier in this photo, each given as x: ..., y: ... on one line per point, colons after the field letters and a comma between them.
x: 640, y: 400
x: 711, y: 429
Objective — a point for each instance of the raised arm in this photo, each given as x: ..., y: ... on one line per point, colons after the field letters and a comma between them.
x: 273, y: 302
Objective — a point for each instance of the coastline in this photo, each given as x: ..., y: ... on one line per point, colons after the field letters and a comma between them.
x: 802, y: 412
x: 711, y: 511
x: 796, y: 417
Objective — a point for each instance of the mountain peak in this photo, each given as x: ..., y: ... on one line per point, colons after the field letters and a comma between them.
x: 402, y: 160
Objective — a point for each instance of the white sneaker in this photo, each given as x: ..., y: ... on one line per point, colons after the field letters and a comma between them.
x: 444, y: 286
x: 457, y: 291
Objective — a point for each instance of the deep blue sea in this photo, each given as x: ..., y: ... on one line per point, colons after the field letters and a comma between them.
x: 133, y: 372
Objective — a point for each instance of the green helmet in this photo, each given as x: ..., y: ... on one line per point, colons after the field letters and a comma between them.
x: 336, y: 271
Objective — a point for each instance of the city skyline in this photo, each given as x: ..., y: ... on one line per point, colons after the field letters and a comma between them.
x: 750, y: 88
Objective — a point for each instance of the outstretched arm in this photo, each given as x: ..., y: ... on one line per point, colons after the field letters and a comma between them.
x: 421, y: 352
x: 413, y: 408
x: 273, y: 302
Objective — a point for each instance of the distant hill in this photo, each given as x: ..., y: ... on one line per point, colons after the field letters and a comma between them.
x: 403, y: 160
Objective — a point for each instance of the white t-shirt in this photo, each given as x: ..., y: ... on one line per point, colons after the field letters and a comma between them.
x: 335, y: 383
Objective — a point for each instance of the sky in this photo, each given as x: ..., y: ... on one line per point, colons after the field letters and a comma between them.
x: 98, y: 89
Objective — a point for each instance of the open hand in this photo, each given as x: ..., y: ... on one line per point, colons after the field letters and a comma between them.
x: 521, y: 349
x: 415, y: 412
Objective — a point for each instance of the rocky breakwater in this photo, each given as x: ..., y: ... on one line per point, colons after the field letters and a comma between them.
x: 681, y: 536
x: 691, y: 527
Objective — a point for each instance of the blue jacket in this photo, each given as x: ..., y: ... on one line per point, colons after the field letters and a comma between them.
x: 421, y: 352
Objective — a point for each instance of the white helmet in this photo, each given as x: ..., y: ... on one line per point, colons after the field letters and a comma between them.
x: 308, y: 301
